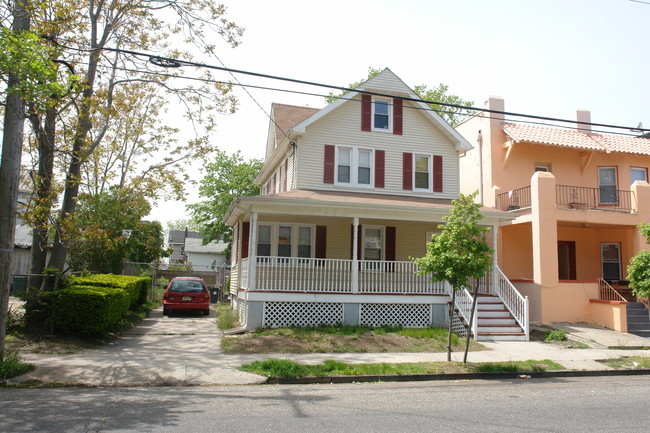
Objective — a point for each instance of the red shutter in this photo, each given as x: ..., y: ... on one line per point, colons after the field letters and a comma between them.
x: 366, y: 112
x: 390, y: 243
x: 245, y: 235
x: 397, y: 116
x: 380, y: 162
x: 407, y: 171
x: 321, y: 242
x: 390, y: 248
x: 437, y: 173
x: 328, y: 169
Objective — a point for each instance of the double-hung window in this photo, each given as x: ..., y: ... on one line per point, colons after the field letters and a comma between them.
x: 381, y: 116
x: 422, y: 172
x: 354, y: 166
x: 607, y: 185
x: 285, y: 240
x: 637, y: 173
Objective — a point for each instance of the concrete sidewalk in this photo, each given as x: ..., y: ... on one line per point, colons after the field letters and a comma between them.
x: 186, y: 350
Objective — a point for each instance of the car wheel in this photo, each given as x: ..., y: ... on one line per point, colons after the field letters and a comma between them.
x: 206, y: 312
x: 165, y: 312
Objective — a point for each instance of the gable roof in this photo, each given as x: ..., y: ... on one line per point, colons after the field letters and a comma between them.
x: 377, y: 84
x: 286, y: 117
x: 577, y: 139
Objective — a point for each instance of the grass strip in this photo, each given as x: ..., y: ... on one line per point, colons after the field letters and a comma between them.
x: 628, y: 363
x: 282, y: 368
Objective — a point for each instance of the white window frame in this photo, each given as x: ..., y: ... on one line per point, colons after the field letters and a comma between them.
x: 602, y: 187
x: 603, y: 261
x: 295, y: 239
x: 429, y: 157
x: 389, y: 105
x: 638, y: 169
x: 543, y: 167
x: 354, y: 167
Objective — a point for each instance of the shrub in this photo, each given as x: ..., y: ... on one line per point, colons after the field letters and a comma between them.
x: 89, y: 310
x: 12, y: 366
x: 557, y: 335
x: 137, y: 288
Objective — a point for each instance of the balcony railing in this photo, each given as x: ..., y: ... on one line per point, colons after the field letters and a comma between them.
x: 604, y: 198
x: 293, y: 274
x: 515, y: 199
x: 586, y: 198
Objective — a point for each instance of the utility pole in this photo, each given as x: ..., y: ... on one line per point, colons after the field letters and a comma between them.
x: 12, y: 142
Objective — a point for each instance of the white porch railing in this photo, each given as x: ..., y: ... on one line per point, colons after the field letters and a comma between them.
x: 243, y: 276
x: 513, y: 300
x: 464, y: 302
x: 294, y: 274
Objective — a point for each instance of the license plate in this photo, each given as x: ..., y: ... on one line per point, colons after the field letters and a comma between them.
x: 187, y: 298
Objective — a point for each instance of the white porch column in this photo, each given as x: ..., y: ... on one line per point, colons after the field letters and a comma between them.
x: 252, y: 252
x: 355, y: 258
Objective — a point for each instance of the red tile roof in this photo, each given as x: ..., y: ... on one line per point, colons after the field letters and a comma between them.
x: 576, y: 139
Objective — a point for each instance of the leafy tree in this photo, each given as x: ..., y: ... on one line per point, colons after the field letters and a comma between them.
x: 638, y: 271
x: 453, y: 115
x: 227, y: 177
x: 459, y: 252
x: 183, y: 223
x: 97, y: 238
x: 113, y: 134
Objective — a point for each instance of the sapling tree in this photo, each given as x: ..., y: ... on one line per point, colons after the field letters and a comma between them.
x: 459, y: 252
x: 638, y: 271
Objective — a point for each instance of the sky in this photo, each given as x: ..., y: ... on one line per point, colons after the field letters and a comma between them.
x: 547, y: 58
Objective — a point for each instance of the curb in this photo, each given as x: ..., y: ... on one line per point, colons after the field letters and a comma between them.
x: 459, y: 376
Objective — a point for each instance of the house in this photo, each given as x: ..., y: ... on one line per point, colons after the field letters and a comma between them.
x: 205, y: 257
x: 177, y: 240
x: 349, y: 194
x: 577, y: 196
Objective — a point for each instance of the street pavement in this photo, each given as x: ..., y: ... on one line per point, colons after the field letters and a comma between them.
x: 186, y: 350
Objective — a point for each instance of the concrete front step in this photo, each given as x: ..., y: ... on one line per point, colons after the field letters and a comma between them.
x: 519, y: 336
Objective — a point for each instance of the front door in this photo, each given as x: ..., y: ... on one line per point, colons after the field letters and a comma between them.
x: 566, y: 257
x: 610, y: 253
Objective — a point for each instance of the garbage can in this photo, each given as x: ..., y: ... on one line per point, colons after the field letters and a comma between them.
x: 18, y: 284
x: 214, y: 295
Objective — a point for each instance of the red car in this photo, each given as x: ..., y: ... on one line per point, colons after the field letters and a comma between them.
x: 186, y: 293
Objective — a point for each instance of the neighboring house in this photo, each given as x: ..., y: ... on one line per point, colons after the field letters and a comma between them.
x: 350, y: 194
x: 21, y: 259
x: 577, y: 196
x: 205, y: 257
x: 177, y: 240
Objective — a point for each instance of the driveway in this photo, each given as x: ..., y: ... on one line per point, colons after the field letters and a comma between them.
x: 184, y: 349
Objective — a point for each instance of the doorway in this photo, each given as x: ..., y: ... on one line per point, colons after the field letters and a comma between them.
x: 566, y: 257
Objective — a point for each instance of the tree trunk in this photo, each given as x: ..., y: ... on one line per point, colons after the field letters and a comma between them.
x: 451, y: 319
x: 43, y: 193
x: 471, y: 321
x: 12, y: 142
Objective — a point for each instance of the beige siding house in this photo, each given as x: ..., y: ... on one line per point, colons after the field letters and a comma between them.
x: 350, y: 194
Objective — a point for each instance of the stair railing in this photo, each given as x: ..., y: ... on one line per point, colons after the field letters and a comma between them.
x: 463, y: 303
x: 514, y: 301
x: 608, y: 293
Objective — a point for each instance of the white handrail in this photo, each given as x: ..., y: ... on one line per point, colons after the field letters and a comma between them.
x: 514, y: 301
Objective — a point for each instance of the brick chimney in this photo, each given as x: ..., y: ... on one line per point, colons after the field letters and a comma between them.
x: 584, y: 119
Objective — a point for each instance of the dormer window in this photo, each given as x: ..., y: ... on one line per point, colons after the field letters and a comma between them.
x: 381, y: 115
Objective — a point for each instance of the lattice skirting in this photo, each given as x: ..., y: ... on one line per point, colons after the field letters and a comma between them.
x: 284, y: 314
x: 406, y: 315
x: 458, y: 326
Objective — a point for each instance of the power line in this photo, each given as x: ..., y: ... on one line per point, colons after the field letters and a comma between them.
x: 298, y: 92
x: 175, y: 63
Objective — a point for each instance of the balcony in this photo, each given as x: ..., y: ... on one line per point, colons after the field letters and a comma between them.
x: 572, y: 197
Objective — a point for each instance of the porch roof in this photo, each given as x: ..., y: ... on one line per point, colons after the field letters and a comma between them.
x: 349, y: 204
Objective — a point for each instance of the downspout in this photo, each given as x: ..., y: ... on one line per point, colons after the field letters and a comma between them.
x: 480, y: 166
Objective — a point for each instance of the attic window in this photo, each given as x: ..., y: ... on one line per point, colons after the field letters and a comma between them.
x: 381, y: 115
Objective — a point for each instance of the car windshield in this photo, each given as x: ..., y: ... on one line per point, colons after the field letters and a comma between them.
x: 186, y: 286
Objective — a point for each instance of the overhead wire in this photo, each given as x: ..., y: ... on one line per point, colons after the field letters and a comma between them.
x: 169, y: 62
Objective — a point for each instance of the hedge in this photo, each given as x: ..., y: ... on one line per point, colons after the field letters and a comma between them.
x: 136, y: 287
x: 89, y: 310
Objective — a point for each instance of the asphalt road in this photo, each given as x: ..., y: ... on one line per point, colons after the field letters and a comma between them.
x: 550, y: 405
